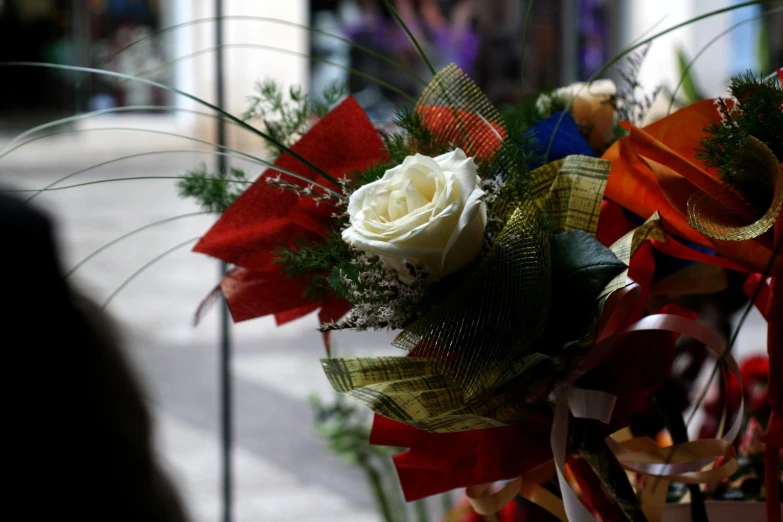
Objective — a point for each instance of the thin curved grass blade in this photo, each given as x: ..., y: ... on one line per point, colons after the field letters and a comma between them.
x: 616, y: 58
x: 117, y: 180
x: 412, y: 38
x: 121, y: 238
x: 132, y: 156
x: 364, y: 49
x: 354, y: 72
x: 686, y: 70
x: 113, y: 110
x: 735, y: 334
x: 189, y: 96
x: 236, y: 153
x: 146, y: 266
x: 525, y: 27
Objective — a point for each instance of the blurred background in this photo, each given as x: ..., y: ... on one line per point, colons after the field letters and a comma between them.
x: 283, y: 469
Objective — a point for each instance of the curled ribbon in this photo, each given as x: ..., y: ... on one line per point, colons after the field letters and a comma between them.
x: 681, y: 463
x: 486, y: 502
x: 716, y: 214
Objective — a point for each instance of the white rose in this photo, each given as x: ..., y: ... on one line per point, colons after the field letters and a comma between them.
x: 427, y: 211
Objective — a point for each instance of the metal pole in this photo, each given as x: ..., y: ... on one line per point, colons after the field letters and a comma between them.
x: 226, y: 403
x: 80, y: 29
x: 569, y: 59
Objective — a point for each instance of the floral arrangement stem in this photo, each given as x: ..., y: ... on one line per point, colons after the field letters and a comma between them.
x: 421, y: 511
x: 672, y: 419
x: 375, y: 479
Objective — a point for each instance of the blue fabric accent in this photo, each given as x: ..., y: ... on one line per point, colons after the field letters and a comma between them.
x: 568, y: 140
x: 666, y: 265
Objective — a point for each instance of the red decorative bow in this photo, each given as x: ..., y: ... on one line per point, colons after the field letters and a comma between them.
x: 264, y: 218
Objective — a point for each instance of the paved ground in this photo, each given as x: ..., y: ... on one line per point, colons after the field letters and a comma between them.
x: 282, y: 470
x: 283, y: 473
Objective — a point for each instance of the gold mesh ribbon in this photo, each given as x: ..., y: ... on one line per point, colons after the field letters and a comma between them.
x: 456, y: 110
x: 723, y: 216
x: 482, y: 335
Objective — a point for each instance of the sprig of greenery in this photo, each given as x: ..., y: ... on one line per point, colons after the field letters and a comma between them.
x: 757, y: 113
x: 317, y: 261
x: 345, y: 428
x: 286, y: 114
x: 214, y: 193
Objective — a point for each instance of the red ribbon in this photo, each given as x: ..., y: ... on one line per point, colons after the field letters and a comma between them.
x: 265, y: 218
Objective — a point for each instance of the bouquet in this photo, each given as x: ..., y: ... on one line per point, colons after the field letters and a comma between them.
x: 537, y: 264
x: 531, y: 344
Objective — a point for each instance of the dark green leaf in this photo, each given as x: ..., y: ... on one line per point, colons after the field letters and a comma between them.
x: 581, y: 266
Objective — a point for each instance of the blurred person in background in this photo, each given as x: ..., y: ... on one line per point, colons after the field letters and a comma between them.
x: 79, y: 441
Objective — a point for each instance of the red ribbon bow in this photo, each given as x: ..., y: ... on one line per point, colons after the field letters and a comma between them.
x: 265, y: 218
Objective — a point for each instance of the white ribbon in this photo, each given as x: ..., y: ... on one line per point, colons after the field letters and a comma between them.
x: 583, y: 404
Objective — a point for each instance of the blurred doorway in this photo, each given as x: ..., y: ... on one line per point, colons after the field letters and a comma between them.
x: 35, y: 31
x: 75, y: 32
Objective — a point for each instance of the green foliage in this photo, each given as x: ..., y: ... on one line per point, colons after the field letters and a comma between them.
x: 762, y: 47
x: 518, y: 148
x: 419, y: 137
x: 285, y: 114
x: 214, y: 193
x: 759, y: 115
x: 345, y: 428
x: 689, y: 87
x: 542, y: 105
x: 412, y: 137
x: 317, y: 261
x: 371, y: 173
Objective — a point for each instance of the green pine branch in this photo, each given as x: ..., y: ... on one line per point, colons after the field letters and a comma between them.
x: 214, y: 193
x: 758, y: 114
x: 286, y: 114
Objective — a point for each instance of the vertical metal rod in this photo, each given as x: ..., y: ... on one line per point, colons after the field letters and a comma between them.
x: 569, y: 59
x: 226, y: 403
x: 80, y: 31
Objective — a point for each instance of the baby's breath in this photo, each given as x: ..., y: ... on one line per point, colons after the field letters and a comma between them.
x: 379, y: 297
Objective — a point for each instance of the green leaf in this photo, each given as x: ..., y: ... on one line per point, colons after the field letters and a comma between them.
x: 581, y: 266
x: 689, y: 87
x: 762, y: 48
